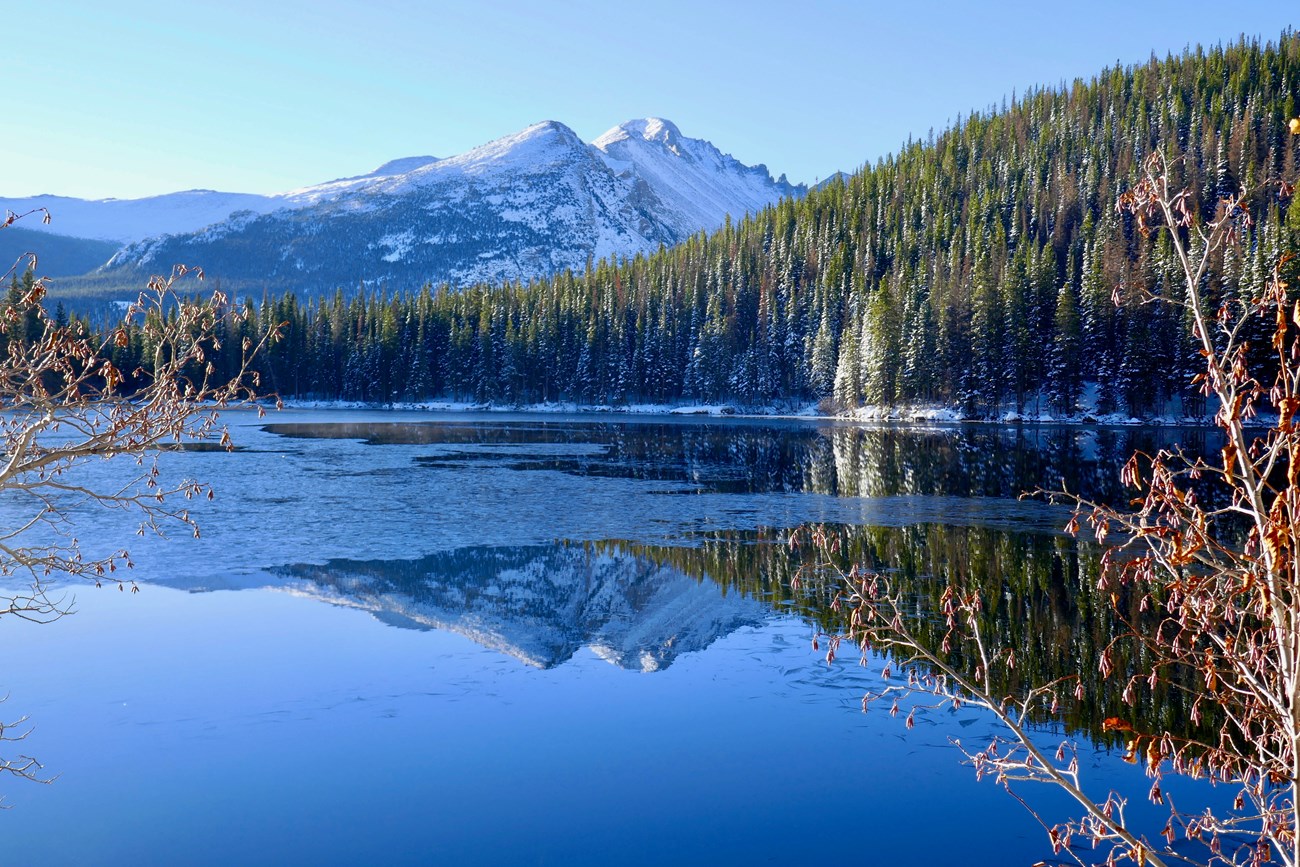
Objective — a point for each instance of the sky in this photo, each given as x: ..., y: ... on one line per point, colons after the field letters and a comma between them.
x: 130, y: 99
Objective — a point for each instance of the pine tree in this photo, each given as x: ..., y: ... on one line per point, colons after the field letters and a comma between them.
x: 848, y: 374
x: 1066, y: 376
x: 821, y: 374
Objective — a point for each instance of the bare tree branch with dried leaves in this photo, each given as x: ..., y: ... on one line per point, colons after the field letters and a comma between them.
x: 1207, y: 589
x: 64, y: 404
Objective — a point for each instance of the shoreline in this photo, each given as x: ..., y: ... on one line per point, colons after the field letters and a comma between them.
x: 810, y: 412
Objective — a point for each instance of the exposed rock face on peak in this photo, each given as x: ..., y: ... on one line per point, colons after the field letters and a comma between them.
x: 526, y: 205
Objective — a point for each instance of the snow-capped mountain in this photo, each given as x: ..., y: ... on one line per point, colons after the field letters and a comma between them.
x: 526, y: 205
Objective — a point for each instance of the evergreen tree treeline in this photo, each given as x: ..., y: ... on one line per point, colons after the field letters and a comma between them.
x: 975, y: 269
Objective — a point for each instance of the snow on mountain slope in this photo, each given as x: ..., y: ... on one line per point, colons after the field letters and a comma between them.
x: 331, y: 189
x: 125, y: 220
x: 699, y: 184
x: 128, y: 220
x: 525, y: 205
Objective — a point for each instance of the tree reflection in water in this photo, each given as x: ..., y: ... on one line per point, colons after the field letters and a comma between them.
x: 762, y: 456
x: 1040, y: 599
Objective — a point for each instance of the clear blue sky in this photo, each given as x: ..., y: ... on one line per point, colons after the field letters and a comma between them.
x: 132, y: 98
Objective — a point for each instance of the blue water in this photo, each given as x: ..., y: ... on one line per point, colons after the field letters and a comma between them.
x: 374, y: 658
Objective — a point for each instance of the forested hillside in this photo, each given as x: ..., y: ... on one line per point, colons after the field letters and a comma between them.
x: 974, y: 269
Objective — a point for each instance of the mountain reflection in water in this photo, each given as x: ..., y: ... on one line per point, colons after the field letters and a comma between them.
x: 543, y: 604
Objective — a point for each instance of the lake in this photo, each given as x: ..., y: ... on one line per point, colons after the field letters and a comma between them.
x: 413, y: 638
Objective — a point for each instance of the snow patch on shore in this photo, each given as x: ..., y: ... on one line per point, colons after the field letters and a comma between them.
x: 1036, y: 410
x: 565, y: 407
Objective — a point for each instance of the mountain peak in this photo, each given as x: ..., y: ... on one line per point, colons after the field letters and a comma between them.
x: 536, y: 143
x: 545, y: 130
x: 547, y: 126
x: 651, y: 129
x: 655, y: 129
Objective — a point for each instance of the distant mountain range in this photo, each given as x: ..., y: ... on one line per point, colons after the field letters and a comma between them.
x: 523, y: 206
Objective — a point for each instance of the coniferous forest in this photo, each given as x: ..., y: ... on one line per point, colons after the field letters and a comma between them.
x: 983, y: 268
